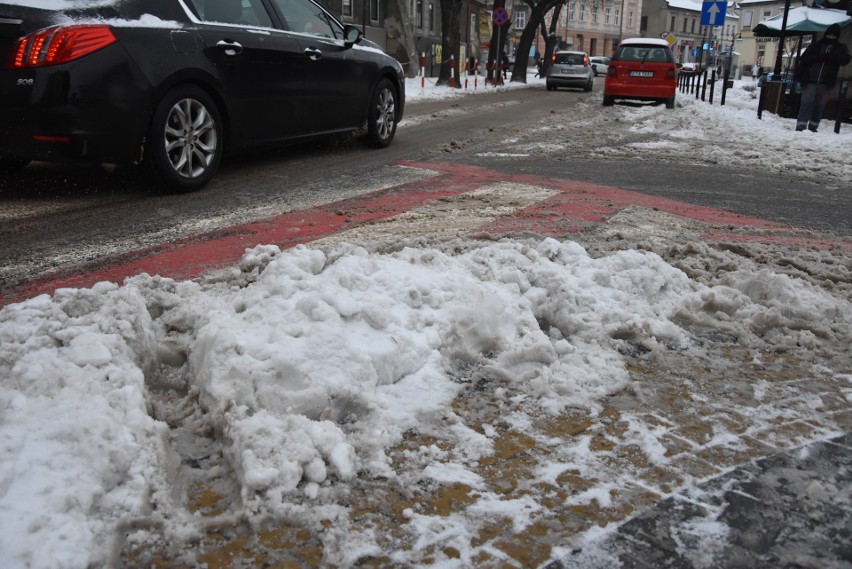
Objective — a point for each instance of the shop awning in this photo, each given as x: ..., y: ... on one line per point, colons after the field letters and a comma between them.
x: 802, y: 21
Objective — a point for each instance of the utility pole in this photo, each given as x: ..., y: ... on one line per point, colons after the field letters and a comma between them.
x: 780, y: 53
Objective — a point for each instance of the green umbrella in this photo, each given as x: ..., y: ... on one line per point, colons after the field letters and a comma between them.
x: 802, y: 21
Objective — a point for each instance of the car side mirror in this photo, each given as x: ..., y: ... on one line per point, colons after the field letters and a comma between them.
x: 351, y: 35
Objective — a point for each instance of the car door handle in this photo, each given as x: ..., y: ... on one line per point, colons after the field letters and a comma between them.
x: 313, y: 53
x: 229, y: 47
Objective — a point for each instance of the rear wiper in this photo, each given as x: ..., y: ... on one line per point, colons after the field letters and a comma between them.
x: 644, y: 57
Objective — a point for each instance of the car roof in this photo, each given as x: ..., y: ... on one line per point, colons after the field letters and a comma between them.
x: 644, y: 41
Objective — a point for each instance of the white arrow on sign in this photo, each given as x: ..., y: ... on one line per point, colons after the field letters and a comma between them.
x: 714, y: 13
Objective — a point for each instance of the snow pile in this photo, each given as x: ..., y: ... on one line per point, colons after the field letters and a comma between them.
x: 306, y: 366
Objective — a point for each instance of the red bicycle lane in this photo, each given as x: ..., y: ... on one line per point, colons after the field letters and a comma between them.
x: 573, y: 207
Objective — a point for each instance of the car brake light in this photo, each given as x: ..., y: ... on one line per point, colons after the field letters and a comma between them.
x: 610, y: 71
x: 46, y: 138
x: 670, y: 73
x: 58, y: 44
x: 585, y: 61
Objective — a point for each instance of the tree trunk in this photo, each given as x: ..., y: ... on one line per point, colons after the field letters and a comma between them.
x: 519, y: 72
x: 450, y: 41
x: 403, y: 30
x: 550, y: 41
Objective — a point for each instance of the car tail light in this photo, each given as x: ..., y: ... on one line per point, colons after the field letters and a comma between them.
x: 585, y: 61
x: 610, y: 71
x: 670, y: 73
x: 58, y: 44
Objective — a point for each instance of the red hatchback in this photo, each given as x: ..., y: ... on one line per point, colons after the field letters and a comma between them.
x: 641, y: 69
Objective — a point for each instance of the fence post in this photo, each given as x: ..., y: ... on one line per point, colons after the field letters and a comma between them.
x: 712, y: 85
x: 841, y: 105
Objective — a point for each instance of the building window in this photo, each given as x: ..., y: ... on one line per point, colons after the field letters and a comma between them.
x: 630, y: 20
x: 582, y: 13
x: 431, y: 17
x: 520, y: 20
x: 692, y: 27
x: 618, y: 17
x: 685, y: 21
x: 571, y: 13
x: 674, y: 23
x: 374, y: 10
x: 747, y: 20
x: 643, y: 22
x: 595, y: 15
x: 347, y: 7
x: 419, y: 14
x: 607, y: 15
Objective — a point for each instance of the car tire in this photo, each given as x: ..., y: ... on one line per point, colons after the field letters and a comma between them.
x: 12, y: 165
x: 608, y: 100
x: 670, y: 102
x: 185, y: 145
x: 381, y: 116
x: 589, y: 85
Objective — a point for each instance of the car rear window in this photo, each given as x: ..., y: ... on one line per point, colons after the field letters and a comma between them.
x: 569, y: 58
x: 643, y: 53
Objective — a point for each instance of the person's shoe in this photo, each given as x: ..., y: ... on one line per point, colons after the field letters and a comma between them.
x: 812, y: 128
x: 800, y: 128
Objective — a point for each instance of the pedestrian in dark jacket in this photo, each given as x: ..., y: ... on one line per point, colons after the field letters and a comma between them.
x: 817, y: 72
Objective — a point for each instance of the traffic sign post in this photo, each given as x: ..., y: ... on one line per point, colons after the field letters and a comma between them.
x: 499, y: 17
x: 713, y: 13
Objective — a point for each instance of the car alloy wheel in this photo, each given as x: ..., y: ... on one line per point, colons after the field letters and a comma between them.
x: 381, y: 118
x: 186, y: 139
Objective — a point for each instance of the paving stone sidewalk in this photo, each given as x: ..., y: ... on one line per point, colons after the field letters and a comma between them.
x: 728, y: 433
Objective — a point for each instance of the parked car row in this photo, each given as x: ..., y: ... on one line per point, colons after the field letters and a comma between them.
x: 641, y: 69
x: 177, y: 83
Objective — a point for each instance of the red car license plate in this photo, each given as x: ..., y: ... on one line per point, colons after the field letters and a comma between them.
x: 641, y: 73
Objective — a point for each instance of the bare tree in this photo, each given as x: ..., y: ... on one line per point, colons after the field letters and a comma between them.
x: 538, y: 17
x: 451, y: 11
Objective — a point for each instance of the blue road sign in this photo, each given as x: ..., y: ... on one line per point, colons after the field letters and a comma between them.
x: 500, y: 16
x: 713, y: 13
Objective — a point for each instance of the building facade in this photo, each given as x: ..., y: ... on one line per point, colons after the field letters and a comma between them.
x: 679, y: 21
x: 594, y: 26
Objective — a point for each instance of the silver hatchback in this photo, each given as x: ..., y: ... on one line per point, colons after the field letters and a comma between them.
x: 570, y: 69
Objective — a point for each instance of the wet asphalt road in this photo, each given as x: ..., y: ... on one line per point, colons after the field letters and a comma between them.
x: 56, y: 217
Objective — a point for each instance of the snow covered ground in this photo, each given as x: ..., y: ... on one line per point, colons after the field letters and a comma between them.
x: 285, y: 382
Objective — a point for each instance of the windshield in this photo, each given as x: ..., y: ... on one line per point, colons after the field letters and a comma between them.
x: 569, y: 58
x: 644, y: 53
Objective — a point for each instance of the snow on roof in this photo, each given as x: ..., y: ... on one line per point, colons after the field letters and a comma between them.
x: 60, y: 4
x: 695, y: 5
x: 645, y: 41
